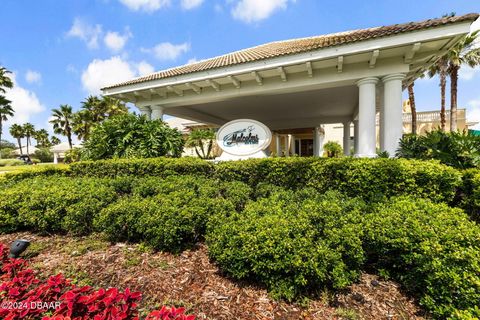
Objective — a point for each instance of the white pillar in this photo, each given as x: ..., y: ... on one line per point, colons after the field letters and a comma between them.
x: 292, y: 144
x: 367, y: 117
x: 346, y: 138
x: 278, y: 145
x: 146, y: 111
x: 392, y: 129
x: 287, y: 145
x: 55, y: 158
x: 318, y: 142
x: 355, y: 136
x: 157, y: 112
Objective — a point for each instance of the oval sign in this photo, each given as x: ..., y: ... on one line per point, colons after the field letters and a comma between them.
x: 243, y: 137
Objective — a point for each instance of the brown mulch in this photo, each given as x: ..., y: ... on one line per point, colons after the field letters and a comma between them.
x: 190, y: 279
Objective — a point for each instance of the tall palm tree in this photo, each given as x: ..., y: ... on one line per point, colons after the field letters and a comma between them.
x: 441, y: 69
x: 42, y: 138
x: 462, y: 53
x: 54, y: 140
x: 6, y: 111
x: 113, y: 106
x: 5, y: 80
x: 16, y: 131
x: 81, y: 124
x: 413, y: 108
x: 29, y: 131
x: 62, y: 122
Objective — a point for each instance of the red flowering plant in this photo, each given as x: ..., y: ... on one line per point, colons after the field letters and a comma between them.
x: 24, y: 296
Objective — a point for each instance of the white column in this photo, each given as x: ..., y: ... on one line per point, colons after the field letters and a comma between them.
x: 287, y: 145
x: 157, y: 112
x: 292, y: 144
x: 55, y: 158
x: 146, y: 111
x: 392, y: 129
x: 346, y: 138
x: 367, y: 117
x: 318, y: 142
x: 278, y: 145
x: 355, y: 136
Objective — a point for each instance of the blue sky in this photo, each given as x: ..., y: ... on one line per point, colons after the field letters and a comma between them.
x: 62, y: 51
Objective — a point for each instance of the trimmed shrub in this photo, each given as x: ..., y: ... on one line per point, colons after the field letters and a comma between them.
x: 35, y: 171
x: 292, y: 242
x: 432, y: 249
x: 468, y: 196
x: 11, y: 162
x: 142, y: 167
x: 371, y: 179
x: 377, y: 179
x: 54, y: 204
x: 170, y: 214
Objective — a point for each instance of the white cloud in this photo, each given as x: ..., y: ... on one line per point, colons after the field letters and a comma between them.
x: 192, y: 60
x: 86, y: 32
x: 145, y: 5
x: 168, y: 51
x: 25, y: 103
x: 473, y: 112
x: 466, y: 73
x: 33, y: 76
x: 101, y: 73
x: 190, y: 4
x: 254, y: 10
x: 144, y: 68
x: 116, y: 41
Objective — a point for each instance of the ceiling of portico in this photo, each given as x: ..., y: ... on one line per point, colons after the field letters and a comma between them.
x: 280, y: 111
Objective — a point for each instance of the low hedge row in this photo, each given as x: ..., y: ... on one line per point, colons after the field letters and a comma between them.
x: 168, y: 213
x: 294, y: 243
x: 372, y: 179
x: 298, y: 242
x: 432, y: 249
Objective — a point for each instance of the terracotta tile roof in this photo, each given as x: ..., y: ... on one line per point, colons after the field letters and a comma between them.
x: 295, y: 46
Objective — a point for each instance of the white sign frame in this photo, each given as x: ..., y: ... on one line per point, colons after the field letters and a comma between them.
x: 254, y: 151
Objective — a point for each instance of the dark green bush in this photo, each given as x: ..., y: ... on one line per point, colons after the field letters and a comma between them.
x: 468, y: 196
x: 54, y: 204
x: 377, y: 179
x: 292, y: 242
x: 131, y: 136
x: 142, y: 167
x: 170, y: 223
x: 432, y: 249
x: 372, y: 179
x: 457, y: 149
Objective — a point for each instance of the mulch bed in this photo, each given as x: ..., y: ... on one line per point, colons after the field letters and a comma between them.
x: 191, y: 280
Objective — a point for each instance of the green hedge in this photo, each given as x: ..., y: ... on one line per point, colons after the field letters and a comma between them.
x: 432, y: 249
x: 292, y: 242
x: 372, y: 179
x: 469, y: 193
x: 54, y: 204
x: 142, y: 167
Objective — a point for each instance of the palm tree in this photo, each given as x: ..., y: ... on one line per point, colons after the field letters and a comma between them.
x: 202, y: 141
x: 462, y: 53
x: 441, y: 68
x: 413, y: 108
x: 54, y: 140
x: 62, y: 122
x: 113, y: 106
x: 16, y: 131
x: 42, y: 138
x: 6, y: 111
x: 29, y: 131
x: 5, y: 81
x: 81, y: 124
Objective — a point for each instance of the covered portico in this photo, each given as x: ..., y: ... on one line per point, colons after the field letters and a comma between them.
x: 301, y: 84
